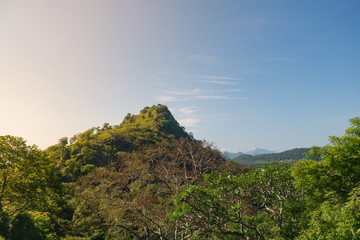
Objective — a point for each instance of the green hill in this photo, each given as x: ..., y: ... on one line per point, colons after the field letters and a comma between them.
x: 286, y: 157
x: 125, y: 175
x: 100, y: 146
x: 153, y: 124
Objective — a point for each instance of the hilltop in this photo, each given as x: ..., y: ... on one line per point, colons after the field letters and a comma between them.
x: 151, y: 125
x: 99, y: 146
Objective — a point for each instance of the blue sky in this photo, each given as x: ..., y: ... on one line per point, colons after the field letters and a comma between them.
x: 270, y: 74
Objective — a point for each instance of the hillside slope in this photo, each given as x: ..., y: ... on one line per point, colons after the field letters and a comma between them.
x: 99, y: 146
x: 129, y: 174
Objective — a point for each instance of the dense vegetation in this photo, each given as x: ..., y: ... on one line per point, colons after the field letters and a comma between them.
x: 288, y: 157
x: 146, y: 178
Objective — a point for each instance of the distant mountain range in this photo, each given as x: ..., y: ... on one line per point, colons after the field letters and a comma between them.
x: 286, y: 157
x: 230, y: 155
x: 259, y: 151
x: 253, y: 152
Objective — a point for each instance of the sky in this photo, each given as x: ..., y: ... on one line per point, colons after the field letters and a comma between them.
x: 241, y: 74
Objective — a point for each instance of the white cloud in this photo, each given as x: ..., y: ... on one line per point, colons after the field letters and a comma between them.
x: 200, y: 58
x: 223, y: 150
x: 186, y: 110
x: 189, y: 122
x: 166, y: 99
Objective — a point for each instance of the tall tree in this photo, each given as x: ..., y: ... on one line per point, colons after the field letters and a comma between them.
x: 28, y: 180
x: 336, y: 168
x: 331, y: 185
x: 260, y: 204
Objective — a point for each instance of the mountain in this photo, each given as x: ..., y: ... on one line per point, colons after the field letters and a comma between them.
x: 287, y: 157
x: 255, y: 151
x: 99, y: 146
x: 153, y: 124
x: 259, y: 151
x: 126, y: 175
x: 230, y: 155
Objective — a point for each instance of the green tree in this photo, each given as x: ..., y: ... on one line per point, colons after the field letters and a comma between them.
x: 133, y: 197
x: 28, y: 180
x: 331, y: 186
x: 258, y: 205
x: 336, y: 168
x: 333, y: 220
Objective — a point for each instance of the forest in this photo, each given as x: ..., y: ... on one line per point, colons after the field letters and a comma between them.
x: 147, y: 178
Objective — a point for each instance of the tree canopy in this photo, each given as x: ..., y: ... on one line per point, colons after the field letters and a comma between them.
x: 28, y: 179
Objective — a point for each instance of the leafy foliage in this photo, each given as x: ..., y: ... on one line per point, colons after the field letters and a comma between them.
x: 338, y: 168
x: 331, y: 186
x: 332, y: 220
x: 257, y: 205
x: 133, y: 197
x: 28, y: 179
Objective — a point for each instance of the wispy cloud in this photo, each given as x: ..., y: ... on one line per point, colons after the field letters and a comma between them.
x: 219, y: 82
x: 220, y: 78
x: 200, y: 58
x: 187, y: 116
x: 198, y: 97
x: 213, y: 97
x: 201, y: 94
x: 234, y: 90
x: 189, y: 92
x: 166, y: 99
x: 186, y: 110
x: 189, y: 122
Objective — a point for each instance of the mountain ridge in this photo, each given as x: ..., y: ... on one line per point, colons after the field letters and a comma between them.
x: 255, y: 151
x: 259, y: 151
x: 286, y: 157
